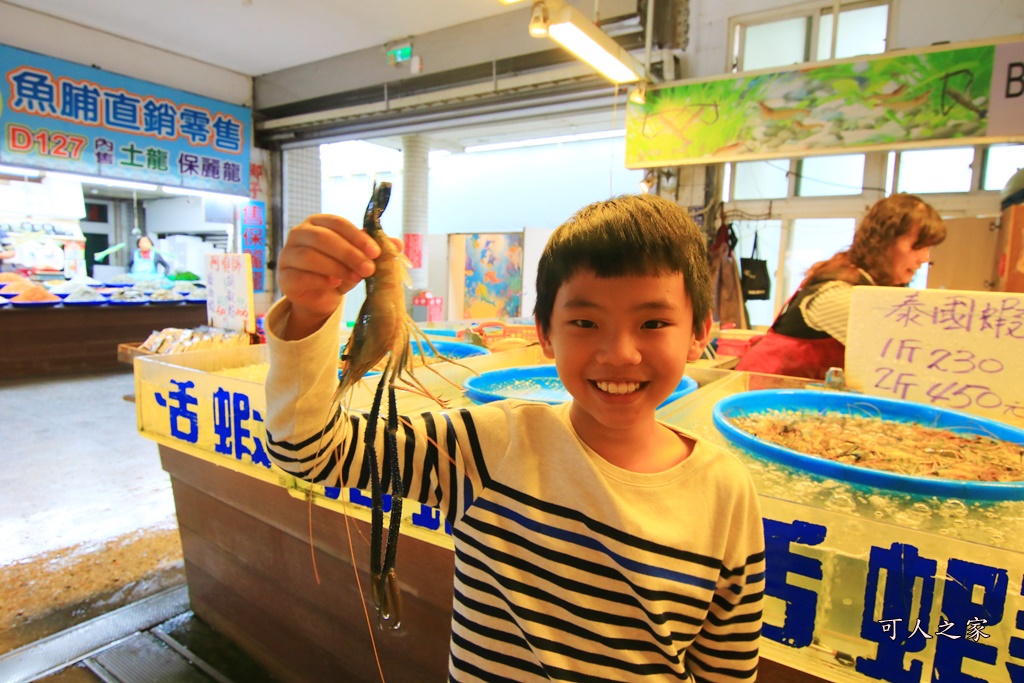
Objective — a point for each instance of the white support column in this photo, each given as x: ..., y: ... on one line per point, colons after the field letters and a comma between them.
x: 415, y: 153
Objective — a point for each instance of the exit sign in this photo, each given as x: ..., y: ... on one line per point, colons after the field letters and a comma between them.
x: 400, y: 54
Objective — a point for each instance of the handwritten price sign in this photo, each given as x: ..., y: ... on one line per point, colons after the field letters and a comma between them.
x: 952, y: 349
x: 229, y: 292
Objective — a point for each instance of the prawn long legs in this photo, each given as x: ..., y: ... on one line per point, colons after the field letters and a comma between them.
x: 387, y: 597
x: 384, y: 332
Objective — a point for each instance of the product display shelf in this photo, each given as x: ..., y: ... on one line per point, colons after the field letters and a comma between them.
x: 81, y: 339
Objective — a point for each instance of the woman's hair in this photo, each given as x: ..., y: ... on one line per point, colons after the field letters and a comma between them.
x: 885, y: 222
x: 622, y: 236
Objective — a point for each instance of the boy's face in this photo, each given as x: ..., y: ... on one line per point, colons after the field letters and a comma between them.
x: 620, y: 345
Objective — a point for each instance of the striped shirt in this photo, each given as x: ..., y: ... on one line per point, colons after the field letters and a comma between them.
x: 828, y: 309
x: 566, y: 567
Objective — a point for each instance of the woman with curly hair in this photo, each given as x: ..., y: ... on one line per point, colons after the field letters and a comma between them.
x: 809, y: 335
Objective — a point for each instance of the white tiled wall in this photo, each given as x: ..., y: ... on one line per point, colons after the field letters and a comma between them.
x: 302, y: 187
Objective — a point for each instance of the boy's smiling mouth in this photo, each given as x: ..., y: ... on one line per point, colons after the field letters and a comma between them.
x: 618, y: 387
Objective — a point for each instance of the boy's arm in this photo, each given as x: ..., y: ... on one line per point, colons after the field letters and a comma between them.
x: 300, y: 384
x: 726, y: 649
x: 440, y: 453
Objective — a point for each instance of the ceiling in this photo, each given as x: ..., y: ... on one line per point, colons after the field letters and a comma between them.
x: 255, y: 37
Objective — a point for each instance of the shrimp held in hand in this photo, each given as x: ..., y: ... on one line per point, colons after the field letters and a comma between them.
x: 383, y: 329
x: 383, y: 326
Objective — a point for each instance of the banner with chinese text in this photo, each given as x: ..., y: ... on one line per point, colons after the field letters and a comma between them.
x: 254, y: 240
x: 968, y: 94
x: 61, y: 116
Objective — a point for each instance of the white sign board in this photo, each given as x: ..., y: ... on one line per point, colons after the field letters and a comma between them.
x: 534, y: 241
x: 229, y: 295
x: 1006, y: 105
x: 951, y: 349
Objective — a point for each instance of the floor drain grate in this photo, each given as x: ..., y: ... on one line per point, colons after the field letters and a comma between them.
x: 63, y: 649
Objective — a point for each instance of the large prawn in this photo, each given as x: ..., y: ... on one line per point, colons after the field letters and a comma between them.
x: 382, y: 330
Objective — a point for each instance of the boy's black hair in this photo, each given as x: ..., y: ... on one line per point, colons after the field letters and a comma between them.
x: 626, y: 235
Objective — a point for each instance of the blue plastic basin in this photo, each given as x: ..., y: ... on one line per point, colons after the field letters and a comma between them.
x: 448, y: 349
x: 537, y: 383
x: 753, y: 402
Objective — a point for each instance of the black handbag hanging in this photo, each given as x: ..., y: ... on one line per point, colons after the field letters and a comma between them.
x: 754, y: 279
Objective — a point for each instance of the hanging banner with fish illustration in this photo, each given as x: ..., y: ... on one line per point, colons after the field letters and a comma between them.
x: 970, y: 94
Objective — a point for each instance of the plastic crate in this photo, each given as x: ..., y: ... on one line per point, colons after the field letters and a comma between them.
x: 490, y: 332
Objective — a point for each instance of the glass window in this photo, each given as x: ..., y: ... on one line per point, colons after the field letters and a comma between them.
x: 861, y: 32
x: 1001, y: 162
x: 936, y: 170
x: 769, y: 240
x: 761, y: 179
x: 890, y: 173
x: 920, y: 279
x: 783, y: 42
x: 828, y: 176
x: 778, y: 43
x: 813, y: 240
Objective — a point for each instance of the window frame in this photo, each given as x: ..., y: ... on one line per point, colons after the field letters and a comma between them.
x: 812, y: 11
x: 876, y: 185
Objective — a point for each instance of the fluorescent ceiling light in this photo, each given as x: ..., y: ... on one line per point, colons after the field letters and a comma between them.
x: 170, y: 189
x: 586, y: 40
x: 107, y: 182
x: 23, y: 172
x: 535, y: 142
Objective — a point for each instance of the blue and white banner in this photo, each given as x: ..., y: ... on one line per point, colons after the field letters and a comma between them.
x: 61, y: 116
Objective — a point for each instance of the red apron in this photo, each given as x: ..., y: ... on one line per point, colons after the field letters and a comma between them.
x: 777, y: 354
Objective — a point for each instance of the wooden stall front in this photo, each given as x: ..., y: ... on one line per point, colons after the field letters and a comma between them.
x: 251, y: 576
x: 43, y: 341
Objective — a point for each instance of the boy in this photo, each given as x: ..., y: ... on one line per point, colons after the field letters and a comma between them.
x: 592, y: 542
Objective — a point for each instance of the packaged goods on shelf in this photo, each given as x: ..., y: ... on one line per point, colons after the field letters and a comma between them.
x: 177, y: 340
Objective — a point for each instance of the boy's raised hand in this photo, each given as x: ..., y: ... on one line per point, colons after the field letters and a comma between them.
x: 324, y: 257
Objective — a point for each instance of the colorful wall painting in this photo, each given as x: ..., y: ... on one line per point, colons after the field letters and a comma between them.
x: 493, y: 275
x: 969, y: 94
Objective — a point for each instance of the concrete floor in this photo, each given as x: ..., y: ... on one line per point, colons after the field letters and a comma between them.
x: 86, y: 512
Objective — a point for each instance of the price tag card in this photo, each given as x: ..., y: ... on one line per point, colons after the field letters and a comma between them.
x: 229, y: 293
x: 951, y: 349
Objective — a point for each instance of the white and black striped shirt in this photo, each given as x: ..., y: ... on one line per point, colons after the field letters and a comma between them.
x: 828, y: 309
x: 566, y: 567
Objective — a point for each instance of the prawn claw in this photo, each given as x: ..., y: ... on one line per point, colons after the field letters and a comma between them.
x: 387, y: 598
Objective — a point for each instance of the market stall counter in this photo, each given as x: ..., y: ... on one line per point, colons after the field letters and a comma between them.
x: 863, y: 583
x: 37, y: 341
